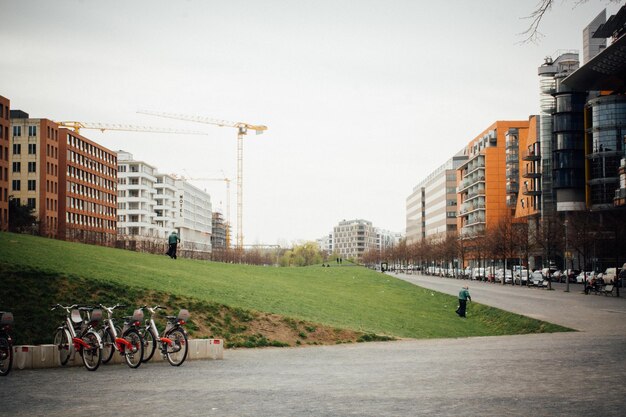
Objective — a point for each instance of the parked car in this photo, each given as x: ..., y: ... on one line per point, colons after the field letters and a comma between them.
x: 508, y: 277
x: 537, y: 279
x: 580, y: 278
x: 521, y: 276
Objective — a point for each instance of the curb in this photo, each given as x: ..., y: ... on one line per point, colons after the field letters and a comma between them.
x: 46, y: 356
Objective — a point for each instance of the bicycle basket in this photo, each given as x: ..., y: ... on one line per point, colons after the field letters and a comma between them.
x: 6, y: 318
x: 184, y: 314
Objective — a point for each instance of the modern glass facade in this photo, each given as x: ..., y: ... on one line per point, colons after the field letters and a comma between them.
x: 568, y: 148
x: 608, y: 128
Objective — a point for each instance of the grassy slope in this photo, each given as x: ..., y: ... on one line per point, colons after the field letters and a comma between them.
x: 348, y: 297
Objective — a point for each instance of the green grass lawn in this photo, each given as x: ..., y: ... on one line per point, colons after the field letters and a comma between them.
x: 346, y: 297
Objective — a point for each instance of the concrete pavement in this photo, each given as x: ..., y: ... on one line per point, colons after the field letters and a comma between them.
x: 564, y: 374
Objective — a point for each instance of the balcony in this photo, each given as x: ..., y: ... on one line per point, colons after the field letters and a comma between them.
x: 531, y: 156
x: 531, y: 192
x: 527, y: 173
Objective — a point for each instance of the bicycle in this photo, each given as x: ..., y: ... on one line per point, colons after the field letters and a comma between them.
x: 173, y: 344
x: 76, y: 334
x: 130, y: 345
x: 6, y: 343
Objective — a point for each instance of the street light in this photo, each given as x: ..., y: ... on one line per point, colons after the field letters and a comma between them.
x: 565, y: 259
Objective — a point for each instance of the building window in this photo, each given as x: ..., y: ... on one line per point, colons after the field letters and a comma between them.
x: 32, y: 130
x: 17, y: 149
x: 32, y: 185
x: 16, y: 185
x: 31, y: 203
x: 32, y: 167
x: 17, y: 166
x: 32, y: 148
x: 17, y: 130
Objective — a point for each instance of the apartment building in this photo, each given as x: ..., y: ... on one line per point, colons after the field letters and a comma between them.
x: 135, y: 200
x: 352, y: 238
x: 165, y: 203
x: 87, y: 190
x: 528, y: 202
x: 325, y: 243
x: 431, y: 209
x: 194, y: 219
x: 549, y: 72
x: 5, y: 107
x: 484, y: 191
x: 386, y: 239
x: 35, y: 169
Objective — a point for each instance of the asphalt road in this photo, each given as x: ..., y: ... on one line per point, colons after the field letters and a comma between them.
x: 579, y: 373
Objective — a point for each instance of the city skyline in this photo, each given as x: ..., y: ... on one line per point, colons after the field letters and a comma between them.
x: 361, y: 103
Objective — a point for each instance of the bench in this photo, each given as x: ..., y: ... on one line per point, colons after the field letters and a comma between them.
x: 606, y: 290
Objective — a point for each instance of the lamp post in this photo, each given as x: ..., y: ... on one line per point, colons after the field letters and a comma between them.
x: 565, y: 259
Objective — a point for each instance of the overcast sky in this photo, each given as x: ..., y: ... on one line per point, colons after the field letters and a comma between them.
x: 362, y: 99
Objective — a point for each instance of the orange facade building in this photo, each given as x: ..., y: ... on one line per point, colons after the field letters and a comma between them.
x: 35, y: 168
x: 529, y: 198
x: 88, y: 197
x: 5, y: 106
x: 488, y: 183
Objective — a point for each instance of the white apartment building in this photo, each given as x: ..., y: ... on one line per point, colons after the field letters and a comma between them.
x: 352, y: 238
x: 135, y: 199
x: 194, y: 217
x: 165, y: 203
x: 386, y: 239
x: 326, y: 243
x: 151, y: 205
x: 431, y: 208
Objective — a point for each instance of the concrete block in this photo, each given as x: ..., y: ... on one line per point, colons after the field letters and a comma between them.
x: 45, y: 356
x: 197, y: 349
x: 23, y: 356
x: 216, y: 349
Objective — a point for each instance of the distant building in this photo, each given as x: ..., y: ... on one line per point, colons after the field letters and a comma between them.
x: 87, y: 190
x: 325, y: 243
x: 431, y: 209
x: 5, y: 106
x: 219, y: 231
x: 352, y: 238
x: 386, y: 239
x: 593, y: 46
x: 36, y: 171
x: 194, y: 219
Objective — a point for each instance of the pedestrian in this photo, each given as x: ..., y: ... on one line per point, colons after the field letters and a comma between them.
x: 173, y: 241
x: 464, y: 297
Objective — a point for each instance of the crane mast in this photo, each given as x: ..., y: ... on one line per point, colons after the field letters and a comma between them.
x: 242, y: 130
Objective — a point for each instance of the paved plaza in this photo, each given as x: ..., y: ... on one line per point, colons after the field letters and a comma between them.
x: 580, y: 373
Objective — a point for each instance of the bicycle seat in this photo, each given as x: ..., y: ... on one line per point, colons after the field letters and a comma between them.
x: 76, y: 317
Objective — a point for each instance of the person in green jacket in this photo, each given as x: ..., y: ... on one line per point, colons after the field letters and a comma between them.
x: 464, y: 296
x: 173, y: 241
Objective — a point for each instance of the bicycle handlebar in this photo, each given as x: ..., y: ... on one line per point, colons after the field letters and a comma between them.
x: 66, y: 308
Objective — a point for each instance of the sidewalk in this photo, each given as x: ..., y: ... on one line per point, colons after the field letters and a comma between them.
x: 597, y: 314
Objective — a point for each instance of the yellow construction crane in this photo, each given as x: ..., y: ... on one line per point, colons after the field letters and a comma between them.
x: 76, y: 126
x: 227, y: 181
x: 242, y: 129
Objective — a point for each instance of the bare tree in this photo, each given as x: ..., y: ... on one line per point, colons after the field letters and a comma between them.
x: 532, y: 34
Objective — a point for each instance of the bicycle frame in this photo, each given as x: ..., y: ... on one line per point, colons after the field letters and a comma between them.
x: 120, y: 344
x: 73, y: 316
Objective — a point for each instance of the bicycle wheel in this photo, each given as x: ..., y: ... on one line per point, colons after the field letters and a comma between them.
x: 108, y: 345
x: 63, y: 342
x: 92, y: 355
x: 6, y: 356
x: 134, y: 355
x: 150, y: 341
x: 176, y: 353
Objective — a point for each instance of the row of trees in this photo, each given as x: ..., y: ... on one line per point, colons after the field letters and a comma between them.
x: 591, y: 241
